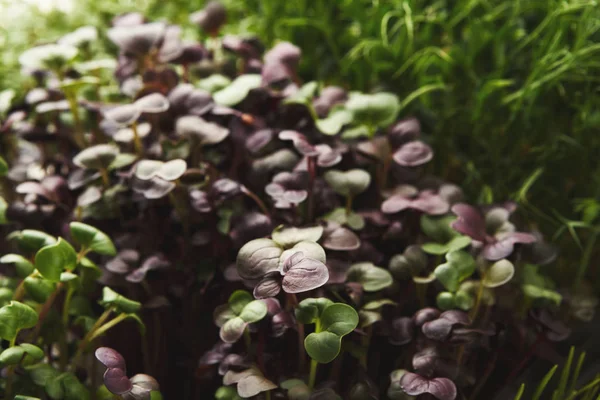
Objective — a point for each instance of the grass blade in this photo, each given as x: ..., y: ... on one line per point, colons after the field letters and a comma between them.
x: 542, y: 386
x: 576, y: 373
x: 564, y: 376
x: 520, y: 392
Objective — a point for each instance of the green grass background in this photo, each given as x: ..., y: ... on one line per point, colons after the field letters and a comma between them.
x: 508, y: 90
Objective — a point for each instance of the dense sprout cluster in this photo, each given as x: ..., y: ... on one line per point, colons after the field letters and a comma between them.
x: 245, y: 220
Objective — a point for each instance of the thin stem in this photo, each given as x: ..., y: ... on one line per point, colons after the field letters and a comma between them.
x: 45, y: 309
x: 104, y: 328
x: 585, y: 259
x: 311, y: 198
x: 486, y: 375
x: 88, y: 337
x: 348, y: 205
x: 386, y: 169
x: 64, y: 356
x: 291, y: 302
x: 66, y: 306
x: 137, y: 142
x: 366, y: 342
x: 421, y: 289
x: 10, y: 373
x: 478, y: 299
x: 248, y: 341
x: 313, y: 363
x: 182, y: 213
x: 461, y: 355
x: 257, y: 200
x: 313, y: 374
x: 584, y: 389
x: 104, y: 176
x: 186, y: 73
x: 79, y: 137
x: 20, y: 291
x: 301, y: 356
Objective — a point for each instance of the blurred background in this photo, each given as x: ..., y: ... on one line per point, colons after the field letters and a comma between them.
x: 508, y: 90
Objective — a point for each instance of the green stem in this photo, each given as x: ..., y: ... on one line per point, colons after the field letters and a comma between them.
x: 182, y: 212
x: 585, y: 259
x: 313, y: 363
x: 20, y: 291
x: 584, y: 389
x: 313, y: 374
x: 104, y: 328
x: 257, y: 200
x: 301, y: 357
x: 478, y: 299
x: 137, y: 142
x: 248, y: 341
x: 348, y: 205
x: 79, y: 137
x: 44, y: 311
x: 88, y: 337
x: 366, y: 342
x: 10, y: 373
x: 421, y: 289
x: 66, y: 306
x: 105, y: 178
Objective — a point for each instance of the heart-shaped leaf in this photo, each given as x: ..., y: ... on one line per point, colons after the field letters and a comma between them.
x: 38, y: 288
x: 454, y: 244
x: 30, y: 241
x: 23, y: 266
x: 339, y: 318
x: 440, y: 388
x: 309, y: 310
x: 309, y: 250
x: 169, y: 171
x: 257, y: 258
x: 348, y: 183
x: 413, y: 154
x: 232, y: 330
x: 335, y: 121
x: 340, y: 239
x: 24, y: 353
x: 238, y: 90
x: 253, y: 385
x: 93, y: 239
x: 269, y: 286
x: 323, y: 346
x: 499, y: 273
x: 123, y: 115
x: 96, y: 157
x: 152, y: 103
x: 411, y: 263
x: 289, y: 237
x: 302, y: 274
x: 110, y: 298
x: 378, y: 109
x: 459, y: 267
x: 207, y: 133
x: 460, y: 299
x: 371, y: 277
x: 49, y: 56
x: 254, y: 311
x: 438, y: 228
x: 238, y: 300
x: 52, y: 260
x: 14, y: 317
